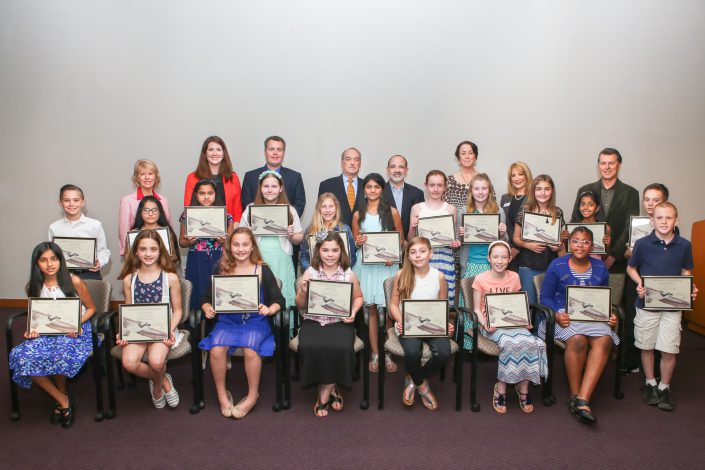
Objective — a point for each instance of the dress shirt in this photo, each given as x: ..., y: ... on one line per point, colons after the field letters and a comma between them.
x: 85, y: 227
x: 398, y: 195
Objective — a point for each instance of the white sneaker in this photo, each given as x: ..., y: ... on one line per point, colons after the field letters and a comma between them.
x: 172, y: 396
x: 160, y: 402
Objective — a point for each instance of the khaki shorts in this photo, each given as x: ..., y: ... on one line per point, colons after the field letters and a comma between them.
x: 657, y: 330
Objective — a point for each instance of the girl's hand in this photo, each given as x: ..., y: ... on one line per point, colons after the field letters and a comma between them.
x: 564, y: 235
x: 171, y: 341
x: 555, y: 248
x: 455, y: 244
x: 461, y: 232
x: 514, y: 253
x: 640, y: 290
x: 120, y: 342
x: 451, y: 330
x: 563, y: 319
x: 221, y: 239
x: 529, y: 327
x: 208, y: 311
x: 303, y: 285
x: 31, y: 335
x: 628, y: 252
x: 349, y: 319
x: 415, y: 221
x: 289, y: 231
x: 491, y: 329
x: 360, y: 240
x: 389, y: 263
x: 73, y: 334
x: 535, y: 247
x: 613, y: 321
x: 397, y: 327
x: 191, y: 240
x: 606, y: 240
x: 96, y: 267
x: 265, y: 311
x: 502, y: 229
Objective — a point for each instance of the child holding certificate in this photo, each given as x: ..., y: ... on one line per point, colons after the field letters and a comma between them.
x: 522, y: 356
x: 534, y: 257
x: 589, y: 206
x: 326, y: 344
x: 250, y: 331
x: 150, y: 215
x: 75, y: 224
x: 48, y: 361
x: 326, y: 217
x: 149, y: 277
x: 277, y: 251
x: 203, y: 253
x: 374, y: 215
x: 417, y: 280
x: 442, y: 258
x: 661, y: 253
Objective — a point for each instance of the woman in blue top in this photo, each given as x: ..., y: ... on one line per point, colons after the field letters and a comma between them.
x: 588, y: 344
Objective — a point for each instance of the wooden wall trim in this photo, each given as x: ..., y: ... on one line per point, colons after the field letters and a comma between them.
x: 22, y: 303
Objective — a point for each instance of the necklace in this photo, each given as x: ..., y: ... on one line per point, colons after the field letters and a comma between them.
x: 519, y: 198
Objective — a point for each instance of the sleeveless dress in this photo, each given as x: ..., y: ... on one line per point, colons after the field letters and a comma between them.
x: 442, y: 258
x: 50, y: 355
x: 242, y: 330
x: 326, y: 344
x: 372, y: 276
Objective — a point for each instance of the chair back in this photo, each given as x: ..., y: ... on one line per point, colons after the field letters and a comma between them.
x: 100, y: 291
x: 617, y: 286
x: 466, y: 289
x: 186, y: 290
x: 538, y: 280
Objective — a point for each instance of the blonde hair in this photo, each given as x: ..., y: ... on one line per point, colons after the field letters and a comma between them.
x: 133, y: 263
x: 666, y: 205
x: 227, y: 261
x: 532, y: 205
x: 407, y: 276
x: 148, y: 165
x: 527, y: 173
x: 491, y: 206
x: 317, y: 222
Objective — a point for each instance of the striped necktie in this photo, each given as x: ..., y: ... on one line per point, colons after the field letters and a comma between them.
x: 351, y: 194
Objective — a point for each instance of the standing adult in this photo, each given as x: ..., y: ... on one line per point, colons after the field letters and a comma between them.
x: 619, y: 202
x: 347, y: 187
x: 274, y: 150
x: 519, y: 181
x: 214, y: 164
x: 146, y: 178
x: 400, y: 194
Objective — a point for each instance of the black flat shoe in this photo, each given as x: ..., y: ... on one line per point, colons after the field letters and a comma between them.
x: 56, y: 414
x: 69, y: 414
x: 581, y: 410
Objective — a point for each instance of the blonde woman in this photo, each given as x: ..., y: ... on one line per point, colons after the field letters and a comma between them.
x: 519, y: 180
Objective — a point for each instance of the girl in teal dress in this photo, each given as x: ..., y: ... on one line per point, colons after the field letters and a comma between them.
x: 374, y: 214
x: 277, y: 251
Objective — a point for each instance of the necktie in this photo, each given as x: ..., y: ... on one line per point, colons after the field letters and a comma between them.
x: 351, y: 194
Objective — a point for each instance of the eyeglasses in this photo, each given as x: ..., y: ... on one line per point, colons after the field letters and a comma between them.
x: 580, y: 242
x: 154, y: 210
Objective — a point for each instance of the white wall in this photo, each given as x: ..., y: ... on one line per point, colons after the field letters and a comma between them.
x: 88, y: 87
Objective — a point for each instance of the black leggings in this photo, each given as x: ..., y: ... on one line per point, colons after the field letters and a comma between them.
x: 440, y: 352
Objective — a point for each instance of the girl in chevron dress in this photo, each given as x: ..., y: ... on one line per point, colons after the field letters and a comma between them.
x: 522, y: 357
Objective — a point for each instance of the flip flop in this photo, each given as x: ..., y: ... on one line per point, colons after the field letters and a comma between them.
x: 336, y: 399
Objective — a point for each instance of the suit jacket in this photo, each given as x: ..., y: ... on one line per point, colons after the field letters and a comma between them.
x: 293, y: 185
x: 336, y: 185
x: 625, y: 203
x: 412, y: 195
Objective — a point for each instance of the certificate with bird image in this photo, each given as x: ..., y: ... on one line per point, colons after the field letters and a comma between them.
x: 668, y: 293
x: 639, y: 227
x: 269, y: 219
x: 206, y: 221
x: 144, y: 323
x: 79, y: 252
x: 588, y: 303
x: 541, y: 228
x: 424, y: 318
x: 480, y: 228
x: 381, y: 247
x: 329, y: 298
x: 54, y: 316
x: 235, y: 293
x: 439, y: 229
x: 507, y: 310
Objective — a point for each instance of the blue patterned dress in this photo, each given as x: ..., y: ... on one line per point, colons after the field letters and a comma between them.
x: 50, y: 355
x: 442, y: 258
x: 372, y: 276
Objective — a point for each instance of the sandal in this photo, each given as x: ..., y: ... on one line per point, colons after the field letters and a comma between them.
x: 525, y: 403
x: 581, y: 410
x: 389, y: 365
x: 374, y: 363
x: 56, y: 414
x: 68, y: 415
x: 228, y: 412
x: 319, y: 407
x: 336, y: 399
x: 428, y: 398
x: 499, y: 401
x: 409, y: 391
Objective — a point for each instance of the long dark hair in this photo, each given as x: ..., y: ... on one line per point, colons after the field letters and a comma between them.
x: 36, y: 277
x: 384, y: 209
x: 194, y: 198
x: 139, y: 221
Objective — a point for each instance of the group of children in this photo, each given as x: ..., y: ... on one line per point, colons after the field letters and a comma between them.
x: 326, y: 344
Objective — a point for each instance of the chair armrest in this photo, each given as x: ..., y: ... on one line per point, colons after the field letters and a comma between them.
x: 99, y: 321
x: 8, y: 329
x: 620, y: 312
x: 548, y: 311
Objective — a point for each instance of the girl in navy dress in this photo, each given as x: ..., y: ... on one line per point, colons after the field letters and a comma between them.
x: 48, y: 361
x: 149, y: 277
x: 250, y: 331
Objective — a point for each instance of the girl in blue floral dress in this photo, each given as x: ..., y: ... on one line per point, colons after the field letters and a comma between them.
x: 48, y: 361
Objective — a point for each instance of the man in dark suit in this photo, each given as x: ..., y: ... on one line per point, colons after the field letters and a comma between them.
x: 274, y: 149
x: 618, y: 201
x: 400, y: 194
x: 347, y: 187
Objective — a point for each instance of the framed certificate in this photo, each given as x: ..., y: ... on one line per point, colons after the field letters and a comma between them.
x: 381, y: 247
x: 162, y: 231
x: 540, y: 228
x: 598, y: 230
x: 671, y: 293
x: 79, y: 252
x: 144, y: 323
x: 424, y: 318
x: 269, y: 219
x: 639, y: 227
x: 311, y: 240
x: 507, y: 310
x: 54, y: 316
x: 235, y: 294
x: 480, y: 228
x: 329, y: 298
x: 588, y: 303
x: 439, y: 229
x: 206, y: 221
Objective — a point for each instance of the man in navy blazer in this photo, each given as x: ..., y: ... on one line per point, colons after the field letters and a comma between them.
x: 400, y: 194
x: 274, y: 149
x: 350, y: 162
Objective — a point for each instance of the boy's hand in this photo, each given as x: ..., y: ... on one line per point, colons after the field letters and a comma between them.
x: 96, y: 267
x: 640, y: 290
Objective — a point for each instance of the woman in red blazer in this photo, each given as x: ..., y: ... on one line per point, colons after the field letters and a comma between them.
x: 214, y: 164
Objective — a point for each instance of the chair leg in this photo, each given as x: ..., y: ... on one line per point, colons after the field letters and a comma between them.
x: 286, y: 364
x: 14, y: 398
x: 474, y: 405
x: 443, y: 373
x: 618, y: 394
x: 97, y: 369
x: 382, y: 314
x: 120, y: 374
x: 110, y: 414
x: 197, y: 373
x: 458, y: 377
x: 547, y: 392
x: 278, y: 379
